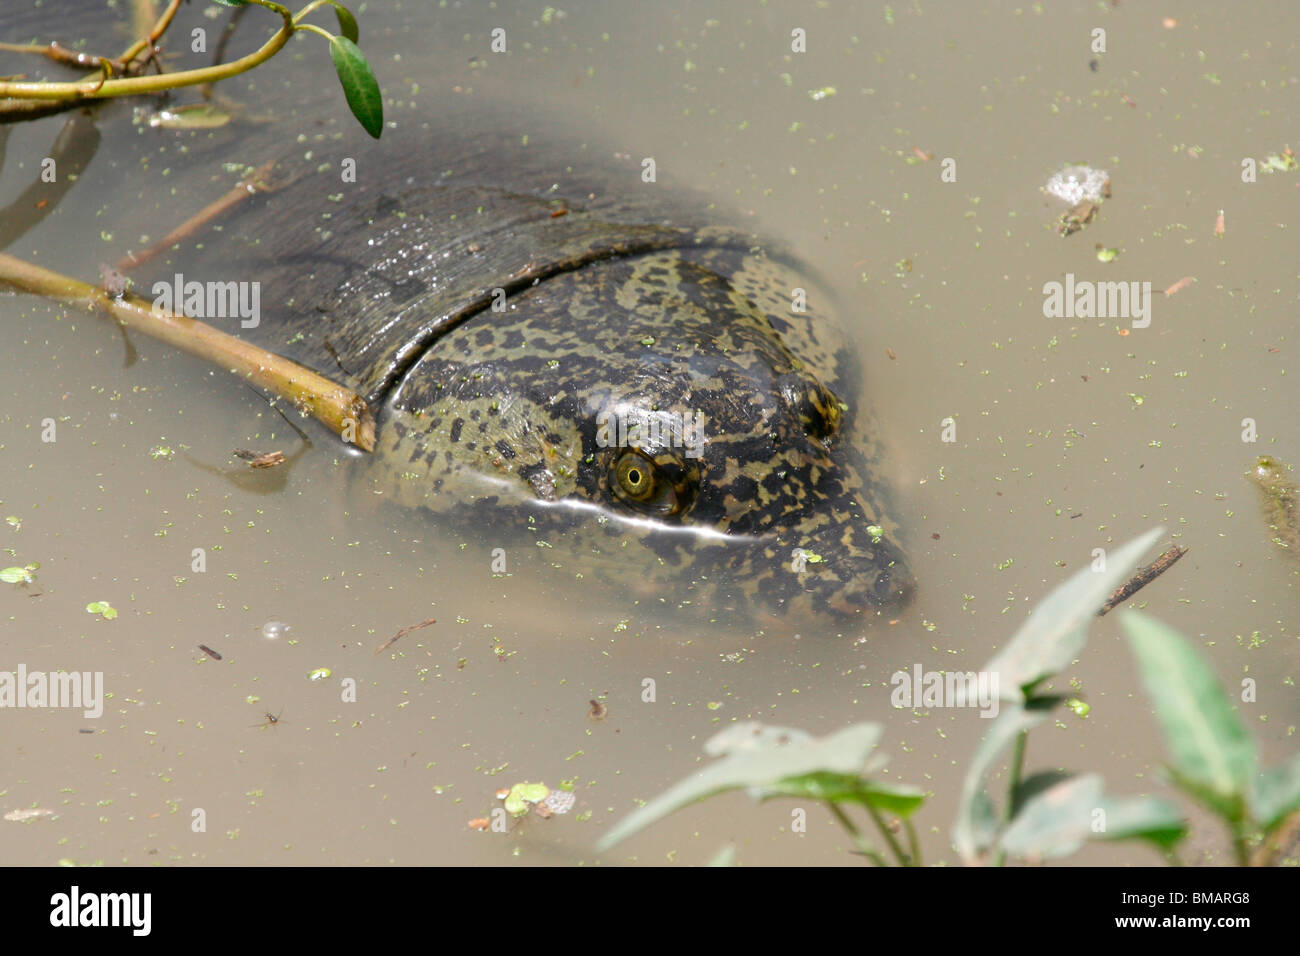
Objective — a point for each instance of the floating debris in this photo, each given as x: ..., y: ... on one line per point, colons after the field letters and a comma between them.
x: 1084, y: 188
x: 258, y: 460
x: 1284, y: 162
x: 115, y: 283
x: 194, y: 116
x: 597, y: 710
x: 406, y: 630
x: 1142, y: 577
x: 210, y: 652
x: 559, y: 801
x: 22, y: 816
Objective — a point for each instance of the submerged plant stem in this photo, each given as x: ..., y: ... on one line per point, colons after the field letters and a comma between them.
x: 341, y: 409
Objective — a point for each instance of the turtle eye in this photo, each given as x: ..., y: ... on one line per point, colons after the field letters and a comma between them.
x: 639, y: 482
x: 636, y: 478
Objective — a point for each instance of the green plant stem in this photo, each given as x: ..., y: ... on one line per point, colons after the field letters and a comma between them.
x: 865, y: 848
x: 96, y: 88
x: 312, y: 28
x: 159, y: 28
x: 1013, y: 784
x: 1017, y: 771
x: 1240, y: 842
x: 311, y: 8
x: 913, y: 844
x: 903, y: 858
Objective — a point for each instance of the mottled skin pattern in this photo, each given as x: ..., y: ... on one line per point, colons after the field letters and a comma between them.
x: 491, y: 418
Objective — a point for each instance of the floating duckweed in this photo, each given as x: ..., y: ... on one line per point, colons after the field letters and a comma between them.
x: 102, y: 607
x: 522, y: 794
x: 320, y: 673
x: 17, y: 575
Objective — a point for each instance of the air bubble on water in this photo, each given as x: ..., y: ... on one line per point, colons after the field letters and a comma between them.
x: 1077, y: 183
x: 274, y: 630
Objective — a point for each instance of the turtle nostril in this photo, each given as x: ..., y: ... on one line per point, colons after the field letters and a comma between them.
x: 884, y: 586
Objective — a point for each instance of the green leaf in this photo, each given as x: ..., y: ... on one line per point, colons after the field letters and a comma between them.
x: 1276, y: 794
x: 1142, y: 818
x: 1212, y: 755
x: 347, y: 23
x: 724, y: 857
x: 231, y: 3
x: 13, y: 575
x: 1055, y: 632
x: 1035, y: 784
x: 1055, y: 822
x: 901, y: 799
x: 522, y: 794
x: 359, y: 85
x: 758, y: 757
x: 976, y: 824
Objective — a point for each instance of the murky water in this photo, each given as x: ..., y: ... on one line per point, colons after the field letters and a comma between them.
x: 1069, y: 435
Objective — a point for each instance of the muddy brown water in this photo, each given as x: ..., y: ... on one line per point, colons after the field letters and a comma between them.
x: 1069, y: 436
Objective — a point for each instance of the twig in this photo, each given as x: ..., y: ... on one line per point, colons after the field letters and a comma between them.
x: 339, y: 408
x: 248, y: 186
x: 1142, y: 577
x: 59, y: 54
x: 29, y: 109
x: 404, y: 631
x: 97, y: 87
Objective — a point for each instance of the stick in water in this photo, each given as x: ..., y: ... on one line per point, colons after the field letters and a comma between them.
x: 1142, y: 577
x: 342, y: 410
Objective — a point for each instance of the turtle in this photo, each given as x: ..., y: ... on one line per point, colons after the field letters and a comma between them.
x: 554, y: 341
x: 551, y: 342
